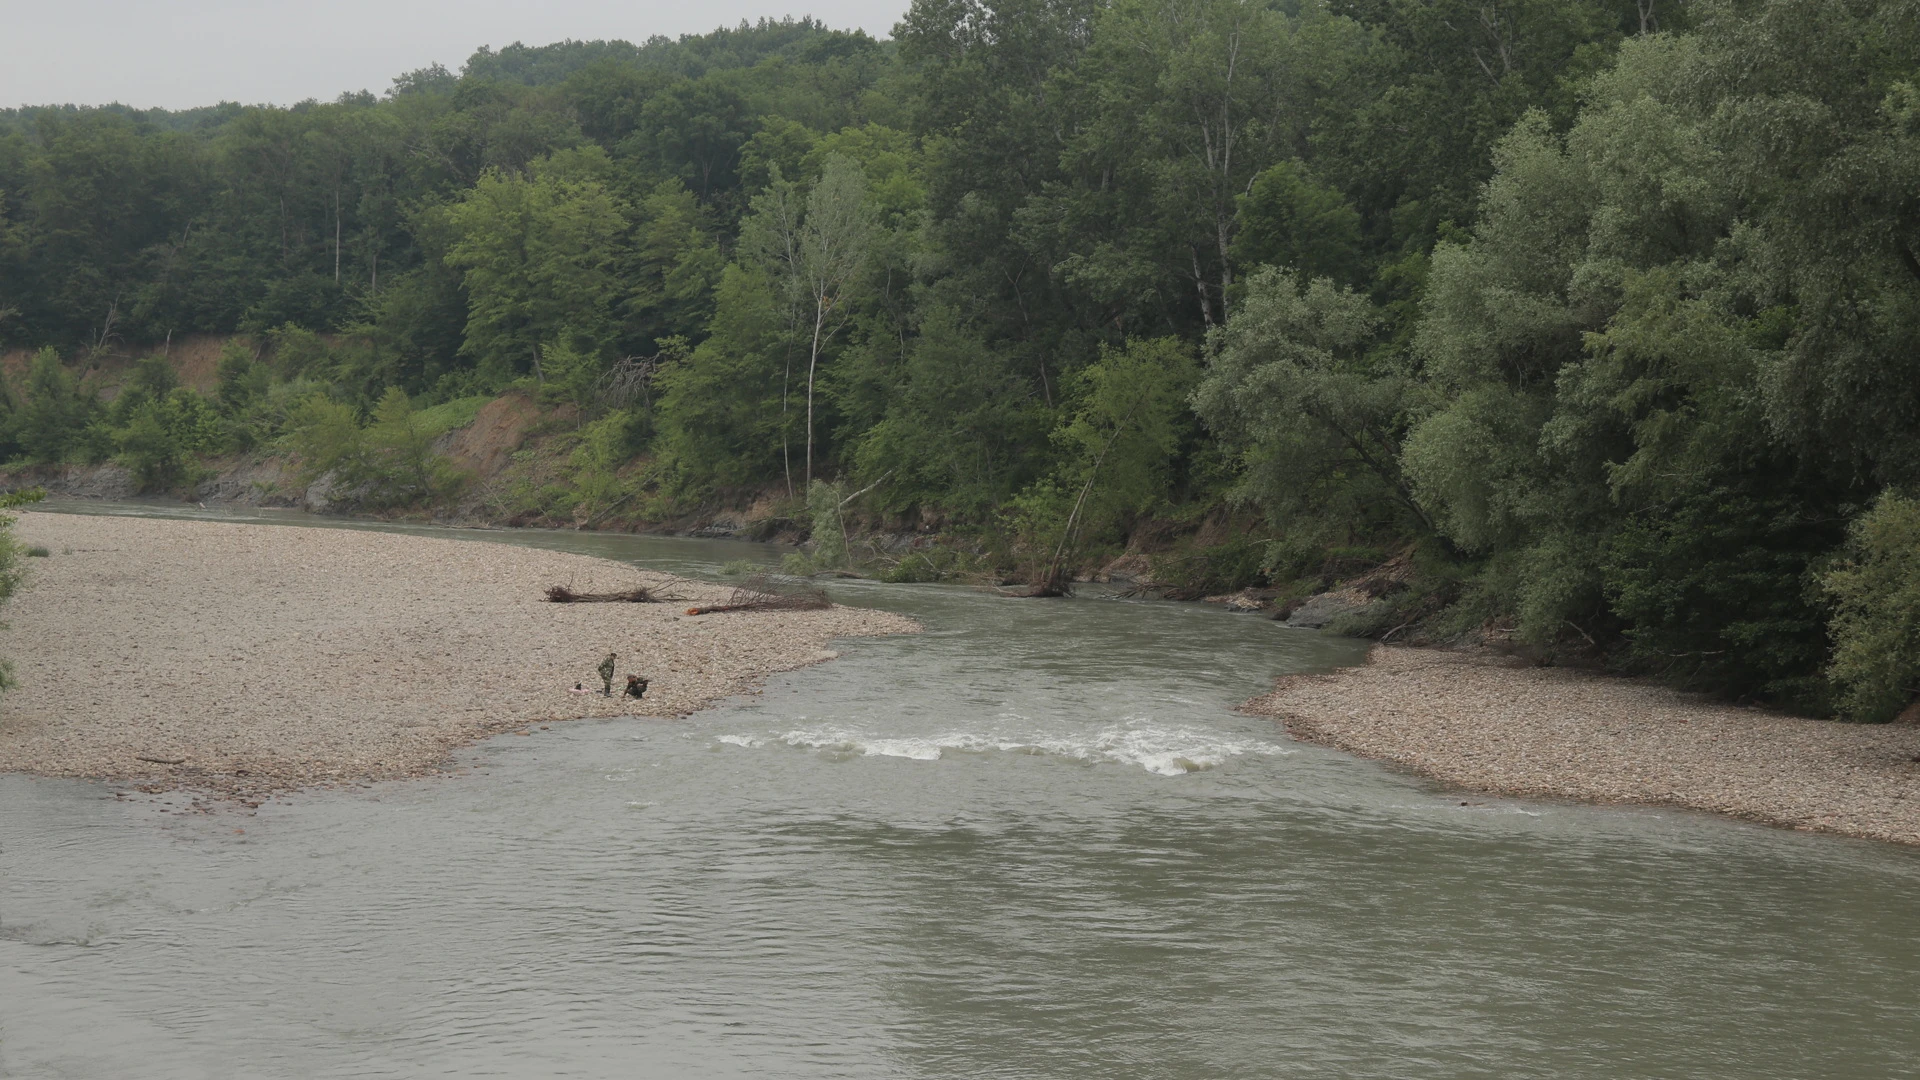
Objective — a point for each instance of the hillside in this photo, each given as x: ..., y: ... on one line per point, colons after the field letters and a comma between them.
x: 1596, y: 319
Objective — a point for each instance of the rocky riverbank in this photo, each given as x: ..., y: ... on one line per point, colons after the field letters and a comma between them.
x: 250, y: 659
x: 1495, y: 724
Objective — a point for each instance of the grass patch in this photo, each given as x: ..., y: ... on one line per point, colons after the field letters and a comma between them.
x: 38, y: 552
x: 448, y: 415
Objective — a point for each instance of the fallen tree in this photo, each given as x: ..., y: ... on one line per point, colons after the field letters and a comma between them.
x: 763, y: 593
x: 561, y: 594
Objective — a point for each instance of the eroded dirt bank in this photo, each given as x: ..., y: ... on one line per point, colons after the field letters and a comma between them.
x: 248, y: 659
x: 1494, y: 724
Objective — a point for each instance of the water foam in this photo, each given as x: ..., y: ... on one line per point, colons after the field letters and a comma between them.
x: 1163, y: 751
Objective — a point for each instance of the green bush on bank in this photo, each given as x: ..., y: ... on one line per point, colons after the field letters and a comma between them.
x: 1875, y: 590
x: 54, y: 413
x: 1238, y: 563
x: 11, y: 550
x: 387, y: 462
x: 940, y: 564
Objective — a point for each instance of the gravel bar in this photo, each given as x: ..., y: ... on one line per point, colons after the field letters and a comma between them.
x: 1478, y: 720
x: 247, y: 660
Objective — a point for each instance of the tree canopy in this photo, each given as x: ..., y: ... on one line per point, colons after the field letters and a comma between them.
x: 1607, y: 310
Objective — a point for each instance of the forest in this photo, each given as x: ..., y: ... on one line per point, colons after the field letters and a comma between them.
x: 1600, y: 318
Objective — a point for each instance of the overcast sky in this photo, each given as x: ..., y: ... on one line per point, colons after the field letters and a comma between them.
x: 181, y: 53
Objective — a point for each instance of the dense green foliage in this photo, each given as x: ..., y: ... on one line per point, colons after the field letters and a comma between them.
x: 1877, y: 593
x: 1606, y: 312
x: 12, y: 573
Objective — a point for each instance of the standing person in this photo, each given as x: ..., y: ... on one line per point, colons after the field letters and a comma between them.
x: 606, y: 675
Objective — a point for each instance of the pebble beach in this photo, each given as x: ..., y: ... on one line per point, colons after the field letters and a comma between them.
x: 1484, y: 722
x: 247, y: 660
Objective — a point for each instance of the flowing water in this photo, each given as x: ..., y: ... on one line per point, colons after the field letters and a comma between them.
x: 1032, y: 842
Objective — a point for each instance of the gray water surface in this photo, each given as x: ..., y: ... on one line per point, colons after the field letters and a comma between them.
x: 1032, y: 842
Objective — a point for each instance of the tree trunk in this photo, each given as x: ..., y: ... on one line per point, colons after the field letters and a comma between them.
x: 1223, y: 230
x: 1200, y: 286
x: 813, y: 361
x: 786, y: 384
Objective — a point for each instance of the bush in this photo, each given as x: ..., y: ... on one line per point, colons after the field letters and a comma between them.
x: 241, y: 379
x: 325, y: 435
x: 916, y: 568
x: 604, y: 449
x: 38, y: 551
x: 11, y: 573
x: 161, y: 437
x: 400, y: 461
x: 1224, y: 568
x: 937, y: 564
x: 829, y: 532
x: 56, y: 411
x: 1876, y: 623
x: 391, y: 460
x: 1715, y: 589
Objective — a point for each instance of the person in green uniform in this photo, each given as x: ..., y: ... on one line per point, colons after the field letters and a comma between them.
x: 606, y: 675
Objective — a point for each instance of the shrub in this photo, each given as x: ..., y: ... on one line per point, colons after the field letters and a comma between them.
x: 1876, y: 623
x: 400, y: 461
x: 1237, y: 564
x: 829, y: 532
x: 325, y: 435
x: 391, y: 459
x: 604, y: 448
x: 937, y: 564
x: 56, y: 410
x: 161, y: 436
x: 1714, y: 589
x: 11, y: 572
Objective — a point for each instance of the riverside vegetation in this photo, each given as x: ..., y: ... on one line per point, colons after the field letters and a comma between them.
x: 1599, y: 317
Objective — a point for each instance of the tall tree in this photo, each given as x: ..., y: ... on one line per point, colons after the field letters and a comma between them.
x: 538, y: 257
x: 818, y: 255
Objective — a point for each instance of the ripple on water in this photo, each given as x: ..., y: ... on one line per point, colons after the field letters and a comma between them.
x: 978, y: 852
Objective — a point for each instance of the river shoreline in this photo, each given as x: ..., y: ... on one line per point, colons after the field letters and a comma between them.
x: 1488, y: 723
x: 248, y: 660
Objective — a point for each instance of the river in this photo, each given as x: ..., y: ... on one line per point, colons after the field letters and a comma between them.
x: 1033, y: 842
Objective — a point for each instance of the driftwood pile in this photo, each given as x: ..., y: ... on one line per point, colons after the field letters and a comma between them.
x: 561, y: 594
x: 762, y: 593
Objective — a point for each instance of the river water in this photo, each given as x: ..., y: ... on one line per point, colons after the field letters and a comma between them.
x: 1033, y: 842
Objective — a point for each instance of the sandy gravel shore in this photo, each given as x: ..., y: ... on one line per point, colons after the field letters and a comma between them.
x: 1493, y: 724
x: 248, y: 659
